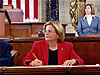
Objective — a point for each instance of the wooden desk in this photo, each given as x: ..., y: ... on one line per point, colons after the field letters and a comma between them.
x: 55, y: 70
x: 88, y: 48
x: 22, y: 29
x: 29, y: 70
x: 85, y: 70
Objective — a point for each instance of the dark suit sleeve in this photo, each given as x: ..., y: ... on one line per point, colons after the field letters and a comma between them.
x: 5, y: 55
x: 80, y: 30
x: 0, y: 3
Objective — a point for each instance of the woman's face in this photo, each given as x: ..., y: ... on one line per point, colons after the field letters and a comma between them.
x: 50, y: 33
x: 88, y: 10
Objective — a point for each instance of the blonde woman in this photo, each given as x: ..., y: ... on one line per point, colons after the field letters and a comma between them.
x: 53, y: 50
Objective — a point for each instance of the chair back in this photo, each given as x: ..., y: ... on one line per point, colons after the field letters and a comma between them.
x: 15, y: 54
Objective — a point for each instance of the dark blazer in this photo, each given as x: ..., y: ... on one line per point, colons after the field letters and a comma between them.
x: 5, y: 55
x: 0, y: 3
x: 41, y: 50
x: 84, y: 29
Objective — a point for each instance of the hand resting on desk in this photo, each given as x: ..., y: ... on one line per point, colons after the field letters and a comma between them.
x: 70, y: 62
x: 36, y: 62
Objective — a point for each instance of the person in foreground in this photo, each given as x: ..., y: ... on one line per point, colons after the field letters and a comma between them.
x: 89, y: 24
x: 5, y: 55
x: 53, y: 50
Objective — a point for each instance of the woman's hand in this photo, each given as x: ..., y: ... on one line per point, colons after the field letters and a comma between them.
x: 70, y: 62
x: 36, y: 62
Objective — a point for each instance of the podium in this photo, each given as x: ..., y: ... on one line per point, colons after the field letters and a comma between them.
x: 16, y: 15
x: 4, y: 23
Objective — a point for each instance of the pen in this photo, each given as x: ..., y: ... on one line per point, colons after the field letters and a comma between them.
x: 35, y: 56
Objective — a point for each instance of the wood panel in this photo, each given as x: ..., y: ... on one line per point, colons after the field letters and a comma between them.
x: 21, y: 31
x: 88, y: 51
x: 31, y: 70
x: 30, y: 27
x: 37, y: 27
x: 23, y: 49
x: 88, y: 48
x: 51, y: 70
x: 4, y: 25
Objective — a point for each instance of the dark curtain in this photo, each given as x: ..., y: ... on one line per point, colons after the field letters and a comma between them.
x: 52, y: 10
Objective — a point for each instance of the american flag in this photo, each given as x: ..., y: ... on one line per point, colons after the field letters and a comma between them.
x: 29, y: 7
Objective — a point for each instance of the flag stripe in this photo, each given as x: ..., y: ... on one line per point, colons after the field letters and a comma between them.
x: 18, y: 3
x: 9, y: 1
x: 23, y: 7
x: 36, y: 9
x: 14, y: 3
x: 26, y: 9
x: 29, y: 7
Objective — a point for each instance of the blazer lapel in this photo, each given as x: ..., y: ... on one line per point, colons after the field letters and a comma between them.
x: 60, y: 53
x: 45, y: 52
x: 93, y: 21
x: 85, y: 21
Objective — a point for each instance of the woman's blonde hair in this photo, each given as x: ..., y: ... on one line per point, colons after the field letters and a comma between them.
x: 58, y: 28
x: 92, y: 9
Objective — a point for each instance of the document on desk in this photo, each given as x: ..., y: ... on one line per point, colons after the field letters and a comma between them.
x: 54, y: 66
x: 43, y: 66
x: 68, y: 66
x: 97, y: 65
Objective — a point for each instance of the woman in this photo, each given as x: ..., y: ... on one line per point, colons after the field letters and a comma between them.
x: 53, y: 50
x: 89, y: 24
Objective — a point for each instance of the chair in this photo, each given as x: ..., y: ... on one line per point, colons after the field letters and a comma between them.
x: 15, y: 55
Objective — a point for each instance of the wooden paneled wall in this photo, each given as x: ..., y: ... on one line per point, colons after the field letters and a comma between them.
x: 20, y: 29
x: 4, y: 23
